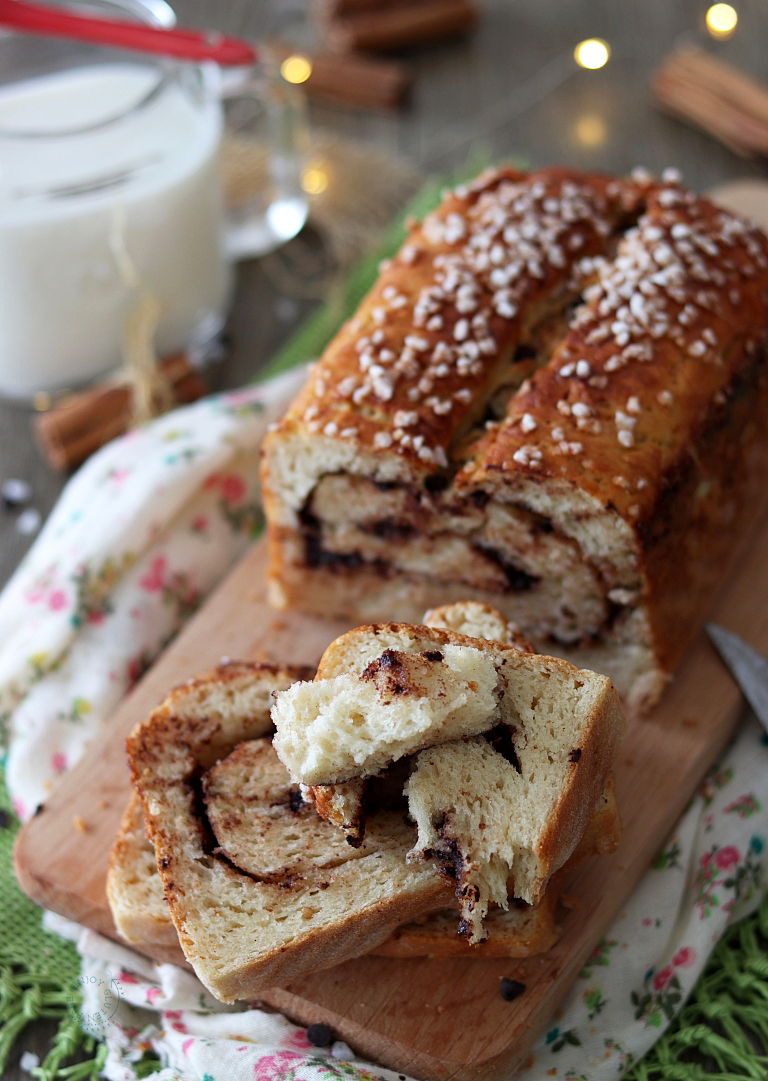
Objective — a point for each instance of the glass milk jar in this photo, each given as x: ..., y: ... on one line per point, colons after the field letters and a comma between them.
x: 109, y: 188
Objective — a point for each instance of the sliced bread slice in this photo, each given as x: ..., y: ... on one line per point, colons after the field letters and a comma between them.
x: 499, y: 813
x: 135, y: 890
x: 143, y: 919
x: 344, y: 804
x: 244, y: 931
x: 387, y: 692
x: 390, y: 690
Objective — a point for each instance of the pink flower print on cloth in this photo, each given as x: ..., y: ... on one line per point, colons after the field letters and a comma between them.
x: 152, y: 581
x: 685, y: 957
x: 281, y: 1066
x: 725, y: 858
x: 745, y: 806
x: 114, y: 509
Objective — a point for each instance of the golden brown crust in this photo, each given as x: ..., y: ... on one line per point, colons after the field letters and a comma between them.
x: 603, y: 833
x: 134, y: 890
x: 641, y: 439
x: 684, y: 410
x: 591, y: 765
x: 439, y: 393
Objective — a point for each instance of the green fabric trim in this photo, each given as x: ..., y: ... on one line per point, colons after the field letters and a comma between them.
x: 38, y: 973
x: 24, y: 943
x: 725, y: 1021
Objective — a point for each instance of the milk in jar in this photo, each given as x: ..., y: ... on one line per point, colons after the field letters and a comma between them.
x: 96, y: 161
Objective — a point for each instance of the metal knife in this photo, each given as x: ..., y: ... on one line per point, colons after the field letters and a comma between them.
x: 747, y: 666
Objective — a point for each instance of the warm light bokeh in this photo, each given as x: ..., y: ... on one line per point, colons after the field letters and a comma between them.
x: 592, y: 53
x: 296, y: 69
x: 314, y: 180
x: 590, y: 130
x: 721, y: 20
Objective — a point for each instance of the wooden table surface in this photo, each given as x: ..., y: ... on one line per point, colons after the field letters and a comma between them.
x: 508, y: 89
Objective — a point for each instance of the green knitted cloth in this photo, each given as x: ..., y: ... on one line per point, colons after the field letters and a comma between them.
x: 721, y: 1034
x: 38, y: 973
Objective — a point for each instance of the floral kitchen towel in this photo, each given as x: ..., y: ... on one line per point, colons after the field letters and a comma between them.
x: 139, y: 536
x: 710, y: 872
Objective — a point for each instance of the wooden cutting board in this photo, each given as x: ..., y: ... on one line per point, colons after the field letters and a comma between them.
x: 435, y: 1019
x: 438, y: 1020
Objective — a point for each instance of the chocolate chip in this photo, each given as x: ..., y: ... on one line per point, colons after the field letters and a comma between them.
x: 4, y: 820
x: 433, y: 655
x: 436, y: 482
x: 524, y: 351
x: 511, y: 989
x: 575, y: 754
x: 319, y: 1035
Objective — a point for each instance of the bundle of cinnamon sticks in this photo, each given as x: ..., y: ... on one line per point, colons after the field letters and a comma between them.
x: 345, y: 72
x: 78, y: 425
x: 694, y: 85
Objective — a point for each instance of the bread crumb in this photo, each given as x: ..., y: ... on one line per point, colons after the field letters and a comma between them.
x: 80, y: 824
x: 103, y: 804
x: 567, y: 900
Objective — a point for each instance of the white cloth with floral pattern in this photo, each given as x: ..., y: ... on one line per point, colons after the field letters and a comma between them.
x: 140, y: 535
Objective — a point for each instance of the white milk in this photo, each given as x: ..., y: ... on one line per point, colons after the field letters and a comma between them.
x: 151, y: 178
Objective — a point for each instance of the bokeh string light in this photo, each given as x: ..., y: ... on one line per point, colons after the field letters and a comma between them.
x: 721, y: 20
x: 314, y: 180
x: 296, y: 69
x: 592, y: 53
x: 590, y: 130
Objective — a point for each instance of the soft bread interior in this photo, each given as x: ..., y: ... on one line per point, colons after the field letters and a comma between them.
x: 243, y: 931
x: 394, y: 701
x: 143, y: 919
x: 556, y: 730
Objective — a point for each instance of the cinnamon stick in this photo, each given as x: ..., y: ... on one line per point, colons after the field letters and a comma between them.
x: 80, y: 424
x: 716, y: 97
x: 395, y: 26
x: 330, y: 9
x: 359, y: 81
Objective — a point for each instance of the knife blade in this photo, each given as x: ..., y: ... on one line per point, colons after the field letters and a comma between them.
x: 747, y: 666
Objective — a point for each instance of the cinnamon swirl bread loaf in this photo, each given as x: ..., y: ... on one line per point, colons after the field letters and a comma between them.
x: 554, y: 400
